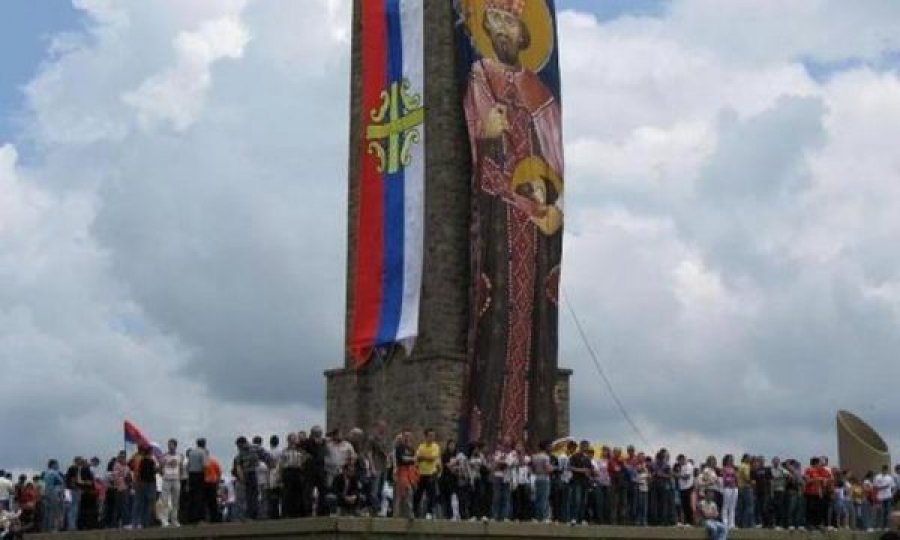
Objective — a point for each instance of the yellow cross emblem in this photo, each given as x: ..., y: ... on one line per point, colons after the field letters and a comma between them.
x: 394, y: 127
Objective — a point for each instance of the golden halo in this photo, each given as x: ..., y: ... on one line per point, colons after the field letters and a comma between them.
x: 536, y: 17
x: 535, y: 168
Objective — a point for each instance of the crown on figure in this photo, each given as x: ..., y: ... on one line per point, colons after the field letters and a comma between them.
x: 516, y: 7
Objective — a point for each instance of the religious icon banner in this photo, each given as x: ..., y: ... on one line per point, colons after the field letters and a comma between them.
x: 389, y: 225
x: 509, y: 74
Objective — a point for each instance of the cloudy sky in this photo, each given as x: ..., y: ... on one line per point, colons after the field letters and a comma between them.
x: 173, y: 184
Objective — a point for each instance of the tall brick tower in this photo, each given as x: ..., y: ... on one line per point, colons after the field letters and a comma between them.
x: 425, y: 389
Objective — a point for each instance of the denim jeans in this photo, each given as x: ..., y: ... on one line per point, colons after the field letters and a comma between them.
x: 502, y: 500
x: 251, y: 496
x: 72, y: 514
x: 661, y: 503
x: 577, y: 500
x: 795, y: 510
x: 601, y: 503
x: 642, y: 502
x: 122, y: 510
x: 884, y: 514
x: 866, y: 516
x: 716, y: 529
x: 745, y: 508
x: 762, y: 509
x: 52, y: 511
x: 561, y: 506
x: 144, y: 501
x: 541, y: 498
x: 780, y: 506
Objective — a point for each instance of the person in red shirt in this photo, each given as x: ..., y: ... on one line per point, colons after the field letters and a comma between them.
x: 618, y: 500
x: 814, y: 493
x: 212, y: 474
x: 28, y: 496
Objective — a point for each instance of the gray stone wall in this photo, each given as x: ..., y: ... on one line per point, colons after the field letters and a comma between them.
x: 395, y: 529
x: 561, y: 395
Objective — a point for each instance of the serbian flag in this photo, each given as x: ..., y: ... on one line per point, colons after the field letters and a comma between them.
x: 135, y: 436
x: 387, y: 267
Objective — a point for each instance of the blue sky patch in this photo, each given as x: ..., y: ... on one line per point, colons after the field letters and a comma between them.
x: 611, y: 9
x: 26, y: 29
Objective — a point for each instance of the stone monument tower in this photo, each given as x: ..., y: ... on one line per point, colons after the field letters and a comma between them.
x: 427, y: 387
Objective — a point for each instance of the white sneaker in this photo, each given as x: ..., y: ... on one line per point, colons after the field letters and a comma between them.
x: 429, y: 516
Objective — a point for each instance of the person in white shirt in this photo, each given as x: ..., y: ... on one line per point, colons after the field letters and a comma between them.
x: 172, y: 466
x: 561, y: 509
x: 602, y: 484
x: 686, y: 488
x: 263, y: 484
x: 339, y: 453
x: 521, y: 485
x: 884, y: 494
x: 502, y: 466
x: 6, y: 489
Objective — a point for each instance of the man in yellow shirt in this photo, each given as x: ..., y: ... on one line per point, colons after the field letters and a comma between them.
x: 745, y: 509
x: 428, y: 462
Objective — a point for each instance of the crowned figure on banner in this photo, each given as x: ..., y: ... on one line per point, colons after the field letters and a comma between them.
x: 514, y: 123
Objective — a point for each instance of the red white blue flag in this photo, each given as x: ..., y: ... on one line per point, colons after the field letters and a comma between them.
x: 134, y: 435
x: 390, y: 212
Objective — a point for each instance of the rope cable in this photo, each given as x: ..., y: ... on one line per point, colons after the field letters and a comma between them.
x: 600, y: 370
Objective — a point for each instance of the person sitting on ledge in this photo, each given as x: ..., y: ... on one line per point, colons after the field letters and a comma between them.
x: 345, y: 497
x: 709, y: 511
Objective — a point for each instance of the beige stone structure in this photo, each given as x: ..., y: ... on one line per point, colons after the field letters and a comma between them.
x: 425, y: 389
x: 860, y: 448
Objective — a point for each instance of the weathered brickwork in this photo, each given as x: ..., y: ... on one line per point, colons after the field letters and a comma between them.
x: 425, y: 389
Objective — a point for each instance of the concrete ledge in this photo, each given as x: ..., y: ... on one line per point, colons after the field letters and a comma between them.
x: 387, y: 529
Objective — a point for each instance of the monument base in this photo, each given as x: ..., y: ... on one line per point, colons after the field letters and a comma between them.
x: 399, y: 529
x: 412, y: 393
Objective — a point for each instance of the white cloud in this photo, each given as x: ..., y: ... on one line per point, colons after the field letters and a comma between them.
x: 177, y: 94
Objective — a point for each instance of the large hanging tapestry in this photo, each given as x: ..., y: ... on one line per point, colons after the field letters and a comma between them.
x: 387, y: 269
x: 510, y: 73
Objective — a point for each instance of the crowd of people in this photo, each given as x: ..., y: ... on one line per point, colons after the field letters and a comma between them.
x: 377, y: 475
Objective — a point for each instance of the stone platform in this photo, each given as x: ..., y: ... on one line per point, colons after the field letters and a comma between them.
x: 390, y: 529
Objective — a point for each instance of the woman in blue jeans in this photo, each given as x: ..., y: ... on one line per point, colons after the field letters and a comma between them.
x: 542, y: 468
